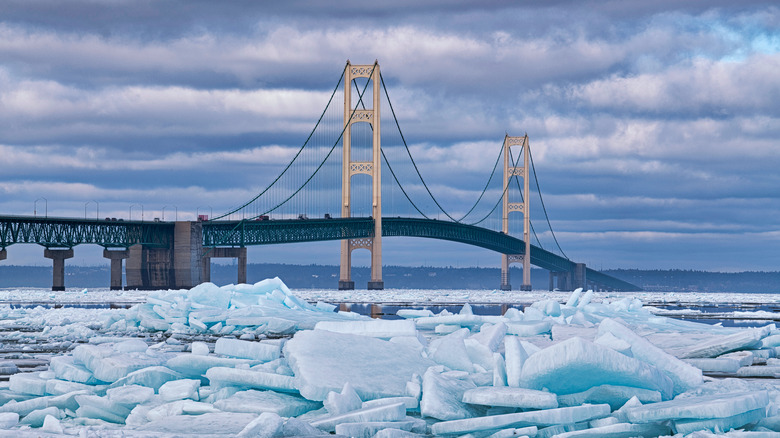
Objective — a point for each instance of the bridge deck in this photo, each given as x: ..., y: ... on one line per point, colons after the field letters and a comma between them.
x: 68, y: 232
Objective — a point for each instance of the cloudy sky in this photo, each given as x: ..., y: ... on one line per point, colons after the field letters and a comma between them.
x: 654, y: 125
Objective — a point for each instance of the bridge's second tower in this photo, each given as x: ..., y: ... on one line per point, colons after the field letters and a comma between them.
x: 372, y: 168
x: 510, y: 171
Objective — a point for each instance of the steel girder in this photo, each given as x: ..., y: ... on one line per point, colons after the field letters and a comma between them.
x: 473, y: 235
x: 68, y: 232
x: 244, y: 233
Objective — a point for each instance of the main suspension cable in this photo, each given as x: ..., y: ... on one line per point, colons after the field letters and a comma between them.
x: 539, y: 189
x: 296, y: 155
x: 341, y: 135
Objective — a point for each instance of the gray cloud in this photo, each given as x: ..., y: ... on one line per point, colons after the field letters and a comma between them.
x: 651, y: 124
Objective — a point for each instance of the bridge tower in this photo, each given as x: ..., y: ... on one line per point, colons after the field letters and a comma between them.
x: 523, y: 207
x: 372, y: 168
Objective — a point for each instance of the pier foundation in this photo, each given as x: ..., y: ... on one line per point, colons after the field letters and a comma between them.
x: 58, y: 257
x: 116, y: 257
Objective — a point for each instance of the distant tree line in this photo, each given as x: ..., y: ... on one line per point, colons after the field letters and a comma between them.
x: 404, y: 277
x: 700, y: 281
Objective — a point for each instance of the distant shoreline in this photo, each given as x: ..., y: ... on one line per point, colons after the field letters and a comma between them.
x: 424, y: 277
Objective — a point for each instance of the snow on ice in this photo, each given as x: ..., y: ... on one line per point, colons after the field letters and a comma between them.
x: 283, y: 367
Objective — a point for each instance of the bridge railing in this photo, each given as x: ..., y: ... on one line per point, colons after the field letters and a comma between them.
x: 69, y: 232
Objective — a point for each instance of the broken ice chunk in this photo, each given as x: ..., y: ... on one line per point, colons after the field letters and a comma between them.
x: 370, y: 429
x: 615, y: 396
x: 619, y: 430
x: 459, y: 320
x: 723, y: 344
x: 213, y: 423
x: 259, y: 351
x: 411, y: 403
x: 131, y: 345
x: 51, y: 425
x: 499, y: 370
x: 360, y: 361
x: 515, y: 358
x: 8, y: 420
x: 619, y: 345
x: 130, y: 394
x: 718, y: 424
x: 378, y: 328
x: 574, y: 298
x: 36, y: 418
x: 745, y: 358
x: 295, y: 427
x: 109, y: 366
x: 253, y: 401
x: 179, y: 407
x: 27, y: 383
x: 222, y: 376
x: 575, y: 365
x: 7, y: 368
x: 715, y: 365
x: 199, y: 348
x: 193, y: 365
x: 26, y: 406
x: 345, y: 401
x: 59, y: 387
x: 392, y: 412
x: 266, y: 424
x: 548, y: 417
x: 442, y: 396
x: 703, y: 407
x: 152, y: 377
x: 683, y: 375
x: 179, y: 389
x: 413, y: 313
x: 529, y: 328
x: 490, y: 335
x: 510, y: 397
x: 759, y: 371
x: 102, y: 408
x: 451, y: 351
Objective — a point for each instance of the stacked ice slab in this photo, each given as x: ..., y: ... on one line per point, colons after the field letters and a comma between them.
x: 266, y: 307
x: 580, y: 369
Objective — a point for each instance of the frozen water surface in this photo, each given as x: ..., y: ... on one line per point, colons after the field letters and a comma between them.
x: 260, y: 360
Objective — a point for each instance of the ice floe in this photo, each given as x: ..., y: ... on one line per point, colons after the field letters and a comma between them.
x: 257, y: 360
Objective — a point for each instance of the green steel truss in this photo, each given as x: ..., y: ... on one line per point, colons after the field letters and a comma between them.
x: 244, y: 233
x: 68, y: 232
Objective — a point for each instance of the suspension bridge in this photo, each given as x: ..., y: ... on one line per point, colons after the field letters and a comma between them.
x: 321, y: 195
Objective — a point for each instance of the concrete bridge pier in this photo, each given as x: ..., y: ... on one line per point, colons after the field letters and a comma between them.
x: 570, y: 280
x: 580, y: 278
x: 58, y: 257
x: 116, y: 257
x: 560, y: 280
x: 176, y: 267
x: 235, y: 253
x: 3, y: 254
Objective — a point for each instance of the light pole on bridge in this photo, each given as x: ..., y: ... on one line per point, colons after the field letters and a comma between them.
x: 131, y: 211
x: 97, y: 209
x: 35, y: 206
x: 177, y: 212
